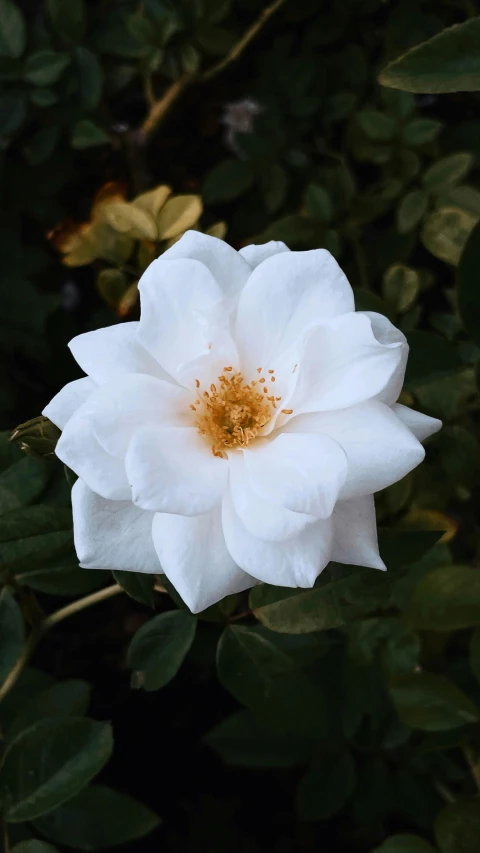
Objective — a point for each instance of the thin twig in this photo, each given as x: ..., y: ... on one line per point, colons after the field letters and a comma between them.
x: 240, y: 46
x: 81, y: 604
x: 42, y: 627
x: 160, y: 108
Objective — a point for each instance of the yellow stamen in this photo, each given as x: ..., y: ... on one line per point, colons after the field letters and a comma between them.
x: 234, y: 412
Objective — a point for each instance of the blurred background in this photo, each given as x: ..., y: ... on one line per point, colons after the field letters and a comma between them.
x: 124, y: 123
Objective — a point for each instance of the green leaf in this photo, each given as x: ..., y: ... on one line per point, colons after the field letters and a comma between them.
x: 457, y: 827
x: 248, y: 741
x: 45, y: 67
x: 34, y: 521
x: 64, y: 579
x: 404, y: 844
x: 22, y: 483
x: 34, y: 846
x: 30, y: 683
x: 49, y: 763
x: 401, y: 286
x: 137, y: 585
x: 326, y: 786
x: 448, y: 171
x: 468, y: 291
x: 87, y: 134
x: 411, y: 210
x: 265, y: 679
x: 96, y: 819
x: 42, y: 145
x: 274, y: 182
x: 68, y: 18
x: 475, y: 654
x: 431, y: 702
x: 420, y: 131
x: 158, y: 649
x: 43, y: 97
x: 65, y: 699
x: 377, y: 126
x: 318, y: 203
x: 228, y: 180
x: 446, y: 232
x: 12, y: 113
x: 12, y: 633
x: 12, y: 30
x: 446, y: 599
x: 465, y: 197
x: 430, y: 355
x: 448, y: 62
x: 90, y: 76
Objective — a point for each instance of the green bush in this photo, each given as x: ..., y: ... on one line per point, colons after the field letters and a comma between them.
x: 341, y: 718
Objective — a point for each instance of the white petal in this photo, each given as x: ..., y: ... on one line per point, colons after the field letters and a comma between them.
x: 255, y: 255
x: 79, y: 449
x: 342, y: 364
x: 262, y: 518
x: 228, y: 268
x: 113, y: 351
x: 128, y: 403
x: 185, y: 321
x: 284, y: 296
x: 422, y: 426
x: 380, y: 449
x: 355, y: 534
x: 112, y: 534
x: 296, y: 562
x: 67, y: 401
x: 388, y: 335
x: 303, y: 472
x: 173, y: 470
x: 194, y: 558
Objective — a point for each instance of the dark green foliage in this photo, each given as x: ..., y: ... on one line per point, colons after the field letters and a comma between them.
x: 339, y: 718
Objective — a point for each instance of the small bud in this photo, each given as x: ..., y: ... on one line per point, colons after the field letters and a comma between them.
x: 37, y: 437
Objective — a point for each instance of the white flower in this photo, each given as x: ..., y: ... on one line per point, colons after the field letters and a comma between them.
x: 238, y: 431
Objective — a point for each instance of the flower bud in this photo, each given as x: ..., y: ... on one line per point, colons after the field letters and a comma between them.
x: 37, y: 437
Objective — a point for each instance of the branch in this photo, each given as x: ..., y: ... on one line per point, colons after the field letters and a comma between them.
x: 159, y: 109
x: 238, y: 49
x: 39, y: 630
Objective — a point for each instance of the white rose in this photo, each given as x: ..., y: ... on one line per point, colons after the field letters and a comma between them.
x: 238, y: 431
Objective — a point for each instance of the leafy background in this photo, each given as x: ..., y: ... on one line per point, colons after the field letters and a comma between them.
x: 346, y: 717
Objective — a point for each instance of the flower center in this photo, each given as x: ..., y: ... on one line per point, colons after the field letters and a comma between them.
x: 232, y: 412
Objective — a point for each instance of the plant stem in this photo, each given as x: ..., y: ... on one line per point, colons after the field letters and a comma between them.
x: 39, y: 630
x: 240, y: 46
x: 159, y: 109
x: 81, y: 604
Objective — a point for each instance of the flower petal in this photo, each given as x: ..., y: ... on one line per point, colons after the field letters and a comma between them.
x: 67, y: 401
x: 130, y: 402
x: 302, y: 472
x: 355, y: 534
x: 194, y: 558
x: 79, y: 449
x: 343, y: 364
x: 172, y: 470
x: 185, y: 321
x: 295, y: 562
x: 228, y: 268
x: 262, y: 518
x: 255, y: 255
x: 112, y: 534
x: 388, y: 335
x: 380, y: 449
x: 286, y: 294
x: 422, y: 426
x: 113, y: 351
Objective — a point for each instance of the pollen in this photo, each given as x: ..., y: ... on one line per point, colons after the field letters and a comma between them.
x: 234, y: 412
